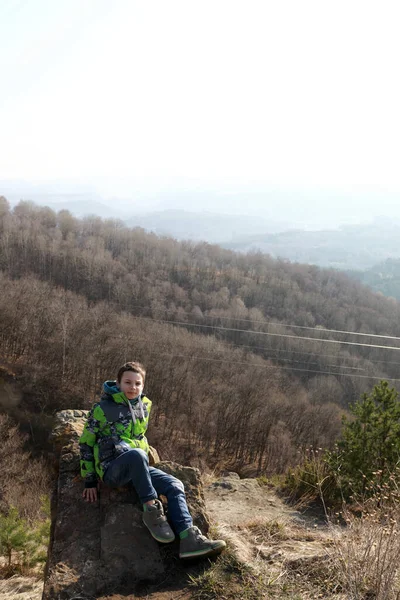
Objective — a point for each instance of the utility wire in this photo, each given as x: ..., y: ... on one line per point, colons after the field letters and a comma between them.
x: 266, y: 323
x: 249, y: 364
x: 252, y: 331
x: 283, y: 335
x: 278, y: 324
x: 340, y: 366
x: 352, y: 358
x: 302, y: 352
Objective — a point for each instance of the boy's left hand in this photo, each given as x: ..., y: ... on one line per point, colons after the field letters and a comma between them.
x: 90, y: 494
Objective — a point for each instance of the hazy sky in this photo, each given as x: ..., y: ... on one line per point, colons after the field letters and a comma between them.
x: 222, y: 94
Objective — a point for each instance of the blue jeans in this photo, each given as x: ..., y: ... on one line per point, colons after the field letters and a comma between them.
x: 149, y: 483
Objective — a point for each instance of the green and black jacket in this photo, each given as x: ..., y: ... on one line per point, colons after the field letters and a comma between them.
x: 112, y: 428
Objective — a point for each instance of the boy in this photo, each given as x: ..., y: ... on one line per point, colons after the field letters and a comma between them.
x: 114, y: 448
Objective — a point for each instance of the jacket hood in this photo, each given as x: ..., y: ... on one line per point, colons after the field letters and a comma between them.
x: 110, y: 387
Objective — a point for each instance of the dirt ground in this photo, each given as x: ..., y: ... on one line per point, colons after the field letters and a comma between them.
x: 242, y: 509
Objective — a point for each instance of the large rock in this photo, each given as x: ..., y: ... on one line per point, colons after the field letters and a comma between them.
x: 97, y: 548
x: 191, y: 480
x: 67, y: 428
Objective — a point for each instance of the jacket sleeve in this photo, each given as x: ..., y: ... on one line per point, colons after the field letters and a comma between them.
x: 86, y: 447
x: 140, y: 442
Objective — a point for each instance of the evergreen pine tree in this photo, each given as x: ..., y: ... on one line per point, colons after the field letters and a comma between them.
x: 14, y: 534
x: 369, y: 450
x: 22, y: 544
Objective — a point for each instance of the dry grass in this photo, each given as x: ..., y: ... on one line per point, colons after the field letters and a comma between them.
x: 362, y: 557
x: 272, y: 529
x: 366, y: 555
x: 21, y: 588
x: 230, y: 578
x: 209, y: 476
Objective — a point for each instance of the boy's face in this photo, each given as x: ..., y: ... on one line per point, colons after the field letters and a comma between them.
x: 131, y: 384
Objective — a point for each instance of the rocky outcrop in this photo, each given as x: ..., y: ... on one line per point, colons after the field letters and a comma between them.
x: 100, y: 548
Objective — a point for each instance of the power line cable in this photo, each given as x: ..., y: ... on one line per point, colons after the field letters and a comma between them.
x: 284, y: 359
x: 249, y: 364
x: 302, y: 352
x: 278, y: 324
x: 268, y: 333
x: 282, y: 335
x: 252, y: 331
x: 269, y: 349
x: 352, y: 358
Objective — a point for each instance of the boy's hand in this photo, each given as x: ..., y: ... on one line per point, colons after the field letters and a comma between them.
x: 90, y: 494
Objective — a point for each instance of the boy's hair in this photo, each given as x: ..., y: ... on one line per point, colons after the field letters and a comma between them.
x: 136, y: 367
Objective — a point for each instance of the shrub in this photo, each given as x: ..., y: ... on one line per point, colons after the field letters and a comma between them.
x: 312, y: 480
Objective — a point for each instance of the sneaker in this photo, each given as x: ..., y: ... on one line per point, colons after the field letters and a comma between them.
x: 156, y: 522
x: 196, y: 544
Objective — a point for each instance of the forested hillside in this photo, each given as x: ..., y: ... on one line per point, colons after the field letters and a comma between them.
x: 233, y: 374
x: 383, y: 277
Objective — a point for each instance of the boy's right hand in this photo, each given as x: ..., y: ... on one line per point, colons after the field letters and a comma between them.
x: 90, y: 494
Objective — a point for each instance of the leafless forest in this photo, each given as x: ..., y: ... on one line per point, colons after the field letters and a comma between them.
x: 233, y: 380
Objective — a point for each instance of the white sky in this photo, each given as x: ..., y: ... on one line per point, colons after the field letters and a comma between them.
x: 254, y: 92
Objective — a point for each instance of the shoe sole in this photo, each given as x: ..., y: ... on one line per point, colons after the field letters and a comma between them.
x: 158, y: 539
x: 200, y: 553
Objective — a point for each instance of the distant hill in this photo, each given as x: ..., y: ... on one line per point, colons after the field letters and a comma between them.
x: 350, y: 247
x: 83, y: 207
x: 80, y: 206
x: 208, y: 226
x: 200, y: 225
x: 79, y: 200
